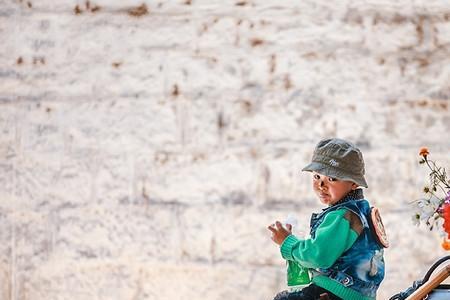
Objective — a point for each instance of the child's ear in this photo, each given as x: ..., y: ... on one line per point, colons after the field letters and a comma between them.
x: 354, y: 186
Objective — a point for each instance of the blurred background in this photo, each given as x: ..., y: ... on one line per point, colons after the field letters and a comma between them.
x: 146, y: 145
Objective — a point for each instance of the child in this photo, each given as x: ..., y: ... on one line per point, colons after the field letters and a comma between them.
x: 345, y: 251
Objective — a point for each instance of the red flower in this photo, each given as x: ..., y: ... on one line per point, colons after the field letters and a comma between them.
x: 446, y: 216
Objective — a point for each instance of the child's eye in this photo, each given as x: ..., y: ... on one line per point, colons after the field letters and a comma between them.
x: 332, y: 179
x: 316, y: 176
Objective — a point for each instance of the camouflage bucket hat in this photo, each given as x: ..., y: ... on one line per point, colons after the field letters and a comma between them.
x: 338, y: 159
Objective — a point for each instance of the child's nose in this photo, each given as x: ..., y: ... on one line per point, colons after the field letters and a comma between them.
x: 322, y: 184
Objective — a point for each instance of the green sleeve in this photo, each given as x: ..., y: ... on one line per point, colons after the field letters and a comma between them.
x: 333, y: 237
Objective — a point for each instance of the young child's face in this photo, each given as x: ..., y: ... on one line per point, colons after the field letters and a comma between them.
x: 330, y: 190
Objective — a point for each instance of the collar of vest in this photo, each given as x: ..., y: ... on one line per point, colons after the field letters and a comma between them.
x: 352, y: 195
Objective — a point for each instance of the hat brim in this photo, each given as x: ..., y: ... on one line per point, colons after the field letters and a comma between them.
x: 334, y: 172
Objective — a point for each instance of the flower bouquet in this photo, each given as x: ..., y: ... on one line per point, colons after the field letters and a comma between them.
x: 434, y: 209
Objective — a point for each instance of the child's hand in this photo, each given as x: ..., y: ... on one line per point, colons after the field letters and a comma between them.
x: 279, y: 233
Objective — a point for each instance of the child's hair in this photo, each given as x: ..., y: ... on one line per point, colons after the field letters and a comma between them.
x: 339, y: 159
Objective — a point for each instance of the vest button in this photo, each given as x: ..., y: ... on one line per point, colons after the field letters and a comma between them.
x: 346, y: 281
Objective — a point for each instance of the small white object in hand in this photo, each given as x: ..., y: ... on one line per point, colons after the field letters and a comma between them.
x: 292, y: 220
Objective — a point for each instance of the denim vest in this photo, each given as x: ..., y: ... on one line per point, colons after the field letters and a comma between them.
x: 361, y: 267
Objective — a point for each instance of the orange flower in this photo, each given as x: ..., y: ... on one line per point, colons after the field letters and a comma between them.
x: 424, y: 151
x: 445, y: 244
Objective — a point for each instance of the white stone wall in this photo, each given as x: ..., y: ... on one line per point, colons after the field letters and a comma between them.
x: 146, y: 145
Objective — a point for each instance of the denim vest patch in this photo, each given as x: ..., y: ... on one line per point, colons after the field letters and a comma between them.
x: 361, y: 267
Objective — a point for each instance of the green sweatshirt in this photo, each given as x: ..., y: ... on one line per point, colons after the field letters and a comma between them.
x: 333, y: 237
